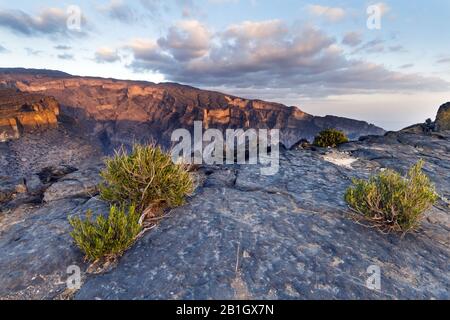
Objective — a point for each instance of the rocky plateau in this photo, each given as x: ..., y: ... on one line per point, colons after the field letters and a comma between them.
x: 241, y: 235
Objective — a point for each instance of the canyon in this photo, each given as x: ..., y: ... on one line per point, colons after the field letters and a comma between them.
x: 241, y: 235
x: 119, y: 112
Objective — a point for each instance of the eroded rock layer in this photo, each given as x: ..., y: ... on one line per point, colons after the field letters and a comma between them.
x: 119, y: 112
x: 24, y: 112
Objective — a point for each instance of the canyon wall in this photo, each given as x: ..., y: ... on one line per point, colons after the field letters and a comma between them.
x: 120, y: 112
x: 24, y: 112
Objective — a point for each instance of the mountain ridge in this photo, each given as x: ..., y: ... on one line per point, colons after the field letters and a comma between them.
x: 123, y: 110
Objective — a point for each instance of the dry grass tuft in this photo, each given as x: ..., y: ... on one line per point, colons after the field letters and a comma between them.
x: 393, y: 203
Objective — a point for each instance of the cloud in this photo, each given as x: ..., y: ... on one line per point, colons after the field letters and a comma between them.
x: 3, y: 49
x: 120, y: 11
x: 156, y: 11
x: 33, y: 52
x: 384, y: 8
x: 188, y: 8
x: 332, y: 14
x: 155, y: 8
x: 248, y: 30
x: 50, y: 21
x: 397, y: 48
x: 268, y: 55
x: 378, y: 46
x: 152, y: 5
x: 443, y: 60
x: 223, y: 1
x: 106, y: 55
x: 66, y: 56
x: 62, y: 47
x: 407, y: 66
x: 352, y: 39
x: 187, y: 40
x: 373, y: 46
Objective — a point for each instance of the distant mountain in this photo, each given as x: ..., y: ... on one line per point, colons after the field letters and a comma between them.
x: 119, y: 111
x: 33, y: 72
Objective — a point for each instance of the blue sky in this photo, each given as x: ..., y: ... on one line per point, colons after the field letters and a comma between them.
x: 317, y: 55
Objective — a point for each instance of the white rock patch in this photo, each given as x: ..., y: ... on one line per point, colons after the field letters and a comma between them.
x: 340, y: 159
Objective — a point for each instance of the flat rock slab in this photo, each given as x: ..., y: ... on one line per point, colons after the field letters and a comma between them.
x: 286, y: 236
x: 79, y: 184
x: 36, y: 248
x: 244, y: 235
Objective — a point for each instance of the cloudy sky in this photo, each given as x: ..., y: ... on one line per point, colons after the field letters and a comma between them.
x: 318, y: 55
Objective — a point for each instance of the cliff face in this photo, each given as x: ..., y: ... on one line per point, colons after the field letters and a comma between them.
x: 443, y: 117
x: 122, y: 111
x: 23, y: 112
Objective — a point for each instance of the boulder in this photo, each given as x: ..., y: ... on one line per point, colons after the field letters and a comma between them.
x: 10, y: 188
x: 34, y: 185
x: 9, y: 129
x: 54, y: 173
x: 79, y: 184
x: 443, y: 117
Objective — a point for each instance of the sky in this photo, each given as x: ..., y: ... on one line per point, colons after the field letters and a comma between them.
x: 387, y: 63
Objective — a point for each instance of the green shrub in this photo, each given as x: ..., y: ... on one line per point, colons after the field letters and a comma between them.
x: 330, y: 138
x: 105, y: 237
x: 392, y: 202
x: 144, y: 177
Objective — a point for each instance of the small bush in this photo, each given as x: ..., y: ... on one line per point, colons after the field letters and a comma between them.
x: 330, y: 138
x: 144, y: 177
x: 392, y: 202
x: 105, y: 237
